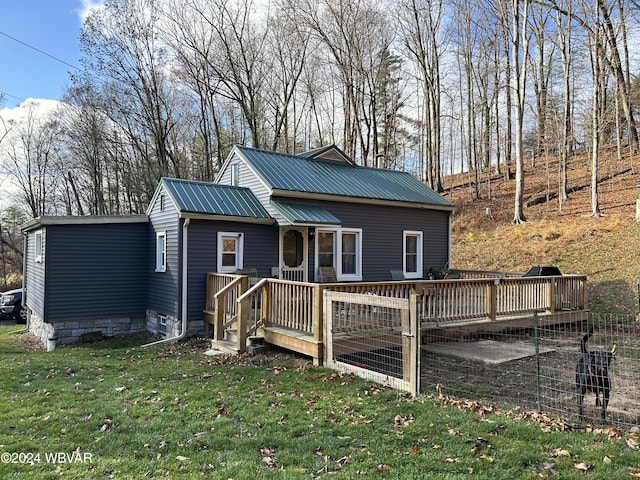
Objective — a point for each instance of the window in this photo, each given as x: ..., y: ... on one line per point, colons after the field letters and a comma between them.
x: 235, y: 176
x: 161, y: 252
x: 162, y: 323
x: 349, y: 253
x: 412, y: 254
x: 326, y: 249
x: 230, y: 250
x: 342, y: 249
x: 38, y: 246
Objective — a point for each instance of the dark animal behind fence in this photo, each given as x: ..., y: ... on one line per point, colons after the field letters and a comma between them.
x: 592, y: 375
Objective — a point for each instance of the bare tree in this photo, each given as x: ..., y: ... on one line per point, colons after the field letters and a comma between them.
x: 287, y: 46
x: 124, y: 56
x: 31, y: 152
x: 564, y: 41
x: 192, y: 42
x: 355, y: 35
x: 516, y: 12
x: 11, y: 244
x: 541, y: 68
x: 233, y: 52
x: 422, y: 27
x: 598, y: 85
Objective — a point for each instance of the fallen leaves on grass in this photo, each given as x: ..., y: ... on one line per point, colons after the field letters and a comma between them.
x: 548, y: 467
x: 464, y: 403
x: 559, y: 452
x: 331, y: 464
x: 400, y: 421
x: 632, y: 444
x: 584, y: 467
x: 382, y: 468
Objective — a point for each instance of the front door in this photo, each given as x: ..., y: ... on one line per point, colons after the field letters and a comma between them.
x: 293, y: 254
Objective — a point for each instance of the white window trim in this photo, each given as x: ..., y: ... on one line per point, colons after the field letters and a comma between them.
x: 337, y: 257
x: 161, y: 253
x: 239, y: 253
x: 38, y: 246
x: 419, y: 246
x: 162, y: 323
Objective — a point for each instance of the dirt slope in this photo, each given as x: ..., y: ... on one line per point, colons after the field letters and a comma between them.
x: 606, y: 247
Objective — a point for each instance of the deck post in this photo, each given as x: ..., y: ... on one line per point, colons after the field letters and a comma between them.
x: 265, y: 303
x: 244, y: 310
x: 318, y: 329
x: 492, y: 298
x: 551, y: 294
x: 218, y: 310
x: 327, y: 325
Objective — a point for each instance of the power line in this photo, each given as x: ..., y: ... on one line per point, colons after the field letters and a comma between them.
x: 39, y: 51
x: 7, y: 94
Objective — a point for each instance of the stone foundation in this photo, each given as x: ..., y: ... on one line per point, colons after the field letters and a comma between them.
x: 43, y: 331
x: 71, y: 331
x: 173, y: 325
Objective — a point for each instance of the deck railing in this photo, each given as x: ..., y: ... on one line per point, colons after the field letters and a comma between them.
x: 452, y: 301
x: 268, y: 303
x: 298, y: 306
x: 221, y: 307
x: 293, y: 305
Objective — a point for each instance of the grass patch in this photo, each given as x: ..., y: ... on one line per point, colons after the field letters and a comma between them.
x: 172, y: 412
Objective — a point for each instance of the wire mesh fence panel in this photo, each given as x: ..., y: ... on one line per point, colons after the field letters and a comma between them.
x: 531, y: 367
x: 372, y: 337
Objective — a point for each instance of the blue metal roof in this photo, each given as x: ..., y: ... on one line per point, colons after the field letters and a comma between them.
x: 303, y: 213
x: 294, y: 173
x: 213, y: 199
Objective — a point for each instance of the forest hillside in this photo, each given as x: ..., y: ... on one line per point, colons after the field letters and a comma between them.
x: 606, y: 248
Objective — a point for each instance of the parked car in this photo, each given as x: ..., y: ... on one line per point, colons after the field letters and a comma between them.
x: 11, y: 306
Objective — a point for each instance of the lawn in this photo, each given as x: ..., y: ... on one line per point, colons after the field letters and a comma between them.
x: 114, y: 410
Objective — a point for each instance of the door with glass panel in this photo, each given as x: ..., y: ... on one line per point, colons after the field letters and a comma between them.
x: 293, y: 254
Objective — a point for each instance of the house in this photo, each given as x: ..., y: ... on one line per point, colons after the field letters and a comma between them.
x: 284, y: 216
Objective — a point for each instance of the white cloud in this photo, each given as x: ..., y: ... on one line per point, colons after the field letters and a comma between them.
x: 87, y: 6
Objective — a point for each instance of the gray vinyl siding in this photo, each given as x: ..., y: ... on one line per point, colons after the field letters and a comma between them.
x: 34, y: 274
x: 164, y: 287
x: 95, y: 271
x: 382, y: 235
x: 260, y: 252
x: 248, y: 179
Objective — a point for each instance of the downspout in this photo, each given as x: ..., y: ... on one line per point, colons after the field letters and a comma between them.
x: 24, y: 290
x: 184, y: 306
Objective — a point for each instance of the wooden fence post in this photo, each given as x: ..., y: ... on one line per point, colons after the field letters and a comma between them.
x: 407, y: 373
x: 318, y: 320
x: 414, y: 341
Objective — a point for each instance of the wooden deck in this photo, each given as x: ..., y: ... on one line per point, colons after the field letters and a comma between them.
x: 290, y: 314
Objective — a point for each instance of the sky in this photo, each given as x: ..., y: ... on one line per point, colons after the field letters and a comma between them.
x: 49, y: 28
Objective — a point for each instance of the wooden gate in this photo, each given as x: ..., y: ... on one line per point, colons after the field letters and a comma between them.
x: 375, y: 337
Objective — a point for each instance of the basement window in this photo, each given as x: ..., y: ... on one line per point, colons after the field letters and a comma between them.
x: 162, y: 324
